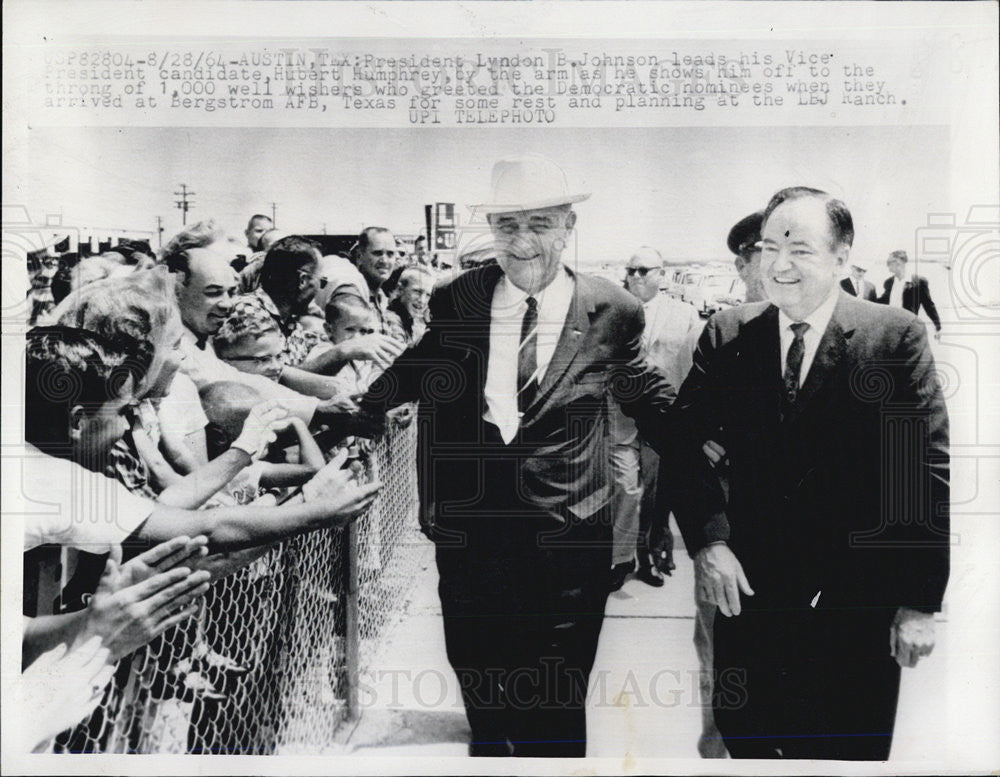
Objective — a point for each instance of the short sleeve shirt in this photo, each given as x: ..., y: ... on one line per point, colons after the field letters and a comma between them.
x: 67, y: 504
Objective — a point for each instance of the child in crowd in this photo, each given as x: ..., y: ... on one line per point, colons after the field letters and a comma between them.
x: 228, y: 405
x: 349, y: 316
x: 312, y: 331
x: 250, y: 340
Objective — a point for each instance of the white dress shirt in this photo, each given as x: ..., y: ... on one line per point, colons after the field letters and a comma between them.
x: 896, y: 292
x: 506, y: 314
x: 818, y: 321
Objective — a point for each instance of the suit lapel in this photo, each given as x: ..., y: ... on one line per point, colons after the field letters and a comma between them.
x: 474, y: 307
x: 831, y: 350
x: 763, y: 331
x: 573, y: 333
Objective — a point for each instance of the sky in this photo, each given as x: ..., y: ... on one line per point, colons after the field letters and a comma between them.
x: 676, y: 189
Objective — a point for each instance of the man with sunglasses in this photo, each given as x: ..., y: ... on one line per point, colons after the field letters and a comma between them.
x: 641, y: 520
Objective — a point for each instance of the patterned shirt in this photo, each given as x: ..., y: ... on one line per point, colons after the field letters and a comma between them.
x: 299, y: 340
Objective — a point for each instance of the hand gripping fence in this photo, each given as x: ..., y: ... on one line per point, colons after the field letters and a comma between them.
x: 271, y: 662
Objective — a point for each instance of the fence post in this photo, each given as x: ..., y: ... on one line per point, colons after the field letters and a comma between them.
x: 352, y: 640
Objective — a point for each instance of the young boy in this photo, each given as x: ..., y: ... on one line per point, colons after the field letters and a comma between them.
x: 250, y: 341
x: 228, y: 405
x: 349, y: 316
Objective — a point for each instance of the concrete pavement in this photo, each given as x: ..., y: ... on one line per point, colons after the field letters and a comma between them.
x: 643, y: 691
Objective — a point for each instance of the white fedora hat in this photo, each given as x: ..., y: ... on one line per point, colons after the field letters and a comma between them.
x: 527, y: 182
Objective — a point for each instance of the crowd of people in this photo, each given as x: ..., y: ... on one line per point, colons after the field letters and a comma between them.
x: 211, y: 403
x: 207, y: 414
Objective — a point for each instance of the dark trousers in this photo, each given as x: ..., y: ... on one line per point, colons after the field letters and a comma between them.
x: 805, y: 683
x: 522, y: 605
x: 655, y: 545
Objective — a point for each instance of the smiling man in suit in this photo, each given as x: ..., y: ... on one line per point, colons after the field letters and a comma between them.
x: 909, y: 293
x: 855, y: 283
x: 513, y: 377
x: 831, y: 554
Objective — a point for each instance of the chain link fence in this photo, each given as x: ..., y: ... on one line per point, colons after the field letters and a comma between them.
x: 272, y: 661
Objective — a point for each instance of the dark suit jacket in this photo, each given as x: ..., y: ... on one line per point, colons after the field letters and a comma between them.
x: 867, y: 289
x: 846, y: 492
x: 560, y: 452
x: 916, y: 292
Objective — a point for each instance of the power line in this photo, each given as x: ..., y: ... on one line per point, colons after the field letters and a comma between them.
x: 184, y: 202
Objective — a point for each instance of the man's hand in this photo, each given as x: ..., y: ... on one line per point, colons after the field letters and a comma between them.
x: 258, y: 429
x: 162, y: 557
x: 126, y: 617
x: 401, y: 416
x: 379, y: 348
x: 719, y: 578
x: 911, y: 636
x: 352, y: 422
x: 338, y: 404
x: 61, y: 688
x: 716, y: 453
x: 937, y: 335
x: 338, y: 491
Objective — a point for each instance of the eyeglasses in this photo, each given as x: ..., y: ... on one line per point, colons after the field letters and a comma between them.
x: 255, y: 359
x: 642, y: 272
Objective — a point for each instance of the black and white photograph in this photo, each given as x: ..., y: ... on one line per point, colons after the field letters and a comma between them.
x: 606, y: 388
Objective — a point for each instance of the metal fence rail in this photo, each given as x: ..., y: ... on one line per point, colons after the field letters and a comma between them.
x: 272, y: 661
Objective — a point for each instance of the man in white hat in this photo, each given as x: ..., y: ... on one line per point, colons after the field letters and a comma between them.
x: 513, y: 377
x: 855, y: 283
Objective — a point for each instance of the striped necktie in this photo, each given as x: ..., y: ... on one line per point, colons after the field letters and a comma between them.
x: 793, y: 362
x: 527, y: 356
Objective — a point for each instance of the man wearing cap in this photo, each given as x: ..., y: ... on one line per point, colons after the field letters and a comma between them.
x: 909, y: 293
x: 513, y: 377
x: 826, y: 564
x: 855, y: 283
x: 744, y: 243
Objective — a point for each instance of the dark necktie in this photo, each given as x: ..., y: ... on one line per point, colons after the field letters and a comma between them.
x: 793, y: 362
x: 527, y: 356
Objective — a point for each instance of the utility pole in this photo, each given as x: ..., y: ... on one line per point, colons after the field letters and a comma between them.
x: 159, y: 231
x: 184, y: 202
x: 324, y: 227
x: 274, y: 217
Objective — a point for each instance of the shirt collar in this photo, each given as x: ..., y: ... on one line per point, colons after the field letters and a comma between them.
x: 187, y: 336
x: 818, y: 319
x: 557, y: 286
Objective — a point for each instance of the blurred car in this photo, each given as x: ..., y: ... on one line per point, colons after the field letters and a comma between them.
x: 712, y: 291
x: 687, y: 283
x: 672, y: 282
x: 737, y: 296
